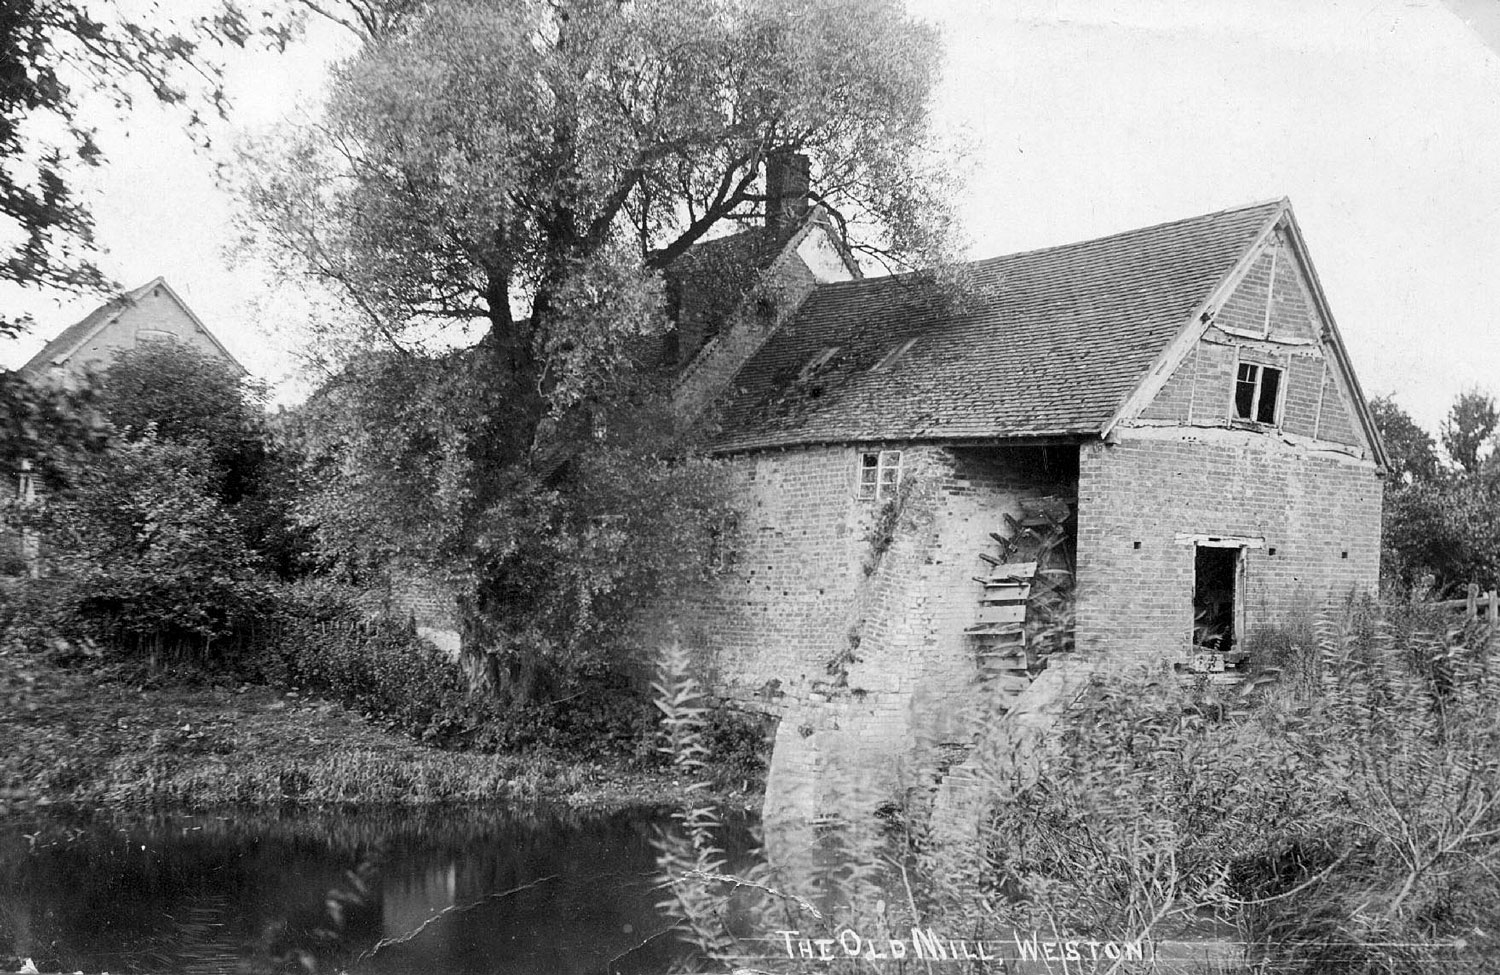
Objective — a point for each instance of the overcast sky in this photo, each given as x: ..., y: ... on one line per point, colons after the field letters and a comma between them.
x: 1379, y: 119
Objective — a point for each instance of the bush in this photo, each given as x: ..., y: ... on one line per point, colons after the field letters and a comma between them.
x: 1351, y: 821
x: 322, y: 641
x: 140, y: 553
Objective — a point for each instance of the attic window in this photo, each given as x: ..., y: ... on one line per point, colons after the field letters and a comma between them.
x: 1256, y: 392
x: 879, y: 475
x: 817, y: 362
x: 892, y: 356
x: 145, y: 336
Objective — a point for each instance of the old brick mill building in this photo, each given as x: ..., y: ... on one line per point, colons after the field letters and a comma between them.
x: 1167, y: 412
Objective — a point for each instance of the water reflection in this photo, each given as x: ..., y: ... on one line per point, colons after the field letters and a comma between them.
x: 482, y: 892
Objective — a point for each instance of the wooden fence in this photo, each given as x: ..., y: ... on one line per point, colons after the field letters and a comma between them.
x: 1476, y: 605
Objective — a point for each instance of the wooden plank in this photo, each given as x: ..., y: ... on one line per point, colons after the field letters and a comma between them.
x: 1022, y: 571
x: 996, y: 630
x: 989, y: 559
x: 1018, y: 529
x: 998, y: 638
x: 1001, y: 613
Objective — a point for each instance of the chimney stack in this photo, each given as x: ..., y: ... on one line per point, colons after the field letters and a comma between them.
x: 787, y: 178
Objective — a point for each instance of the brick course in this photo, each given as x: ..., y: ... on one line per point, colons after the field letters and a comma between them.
x: 1318, y: 509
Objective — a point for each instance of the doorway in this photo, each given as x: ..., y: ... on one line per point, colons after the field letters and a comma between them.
x: 1216, y: 586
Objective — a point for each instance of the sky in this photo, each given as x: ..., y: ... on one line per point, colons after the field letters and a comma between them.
x: 1380, y: 120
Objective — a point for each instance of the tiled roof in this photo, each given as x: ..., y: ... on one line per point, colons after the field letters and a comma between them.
x: 1046, y: 343
x: 71, y: 338
x: 80, y: 330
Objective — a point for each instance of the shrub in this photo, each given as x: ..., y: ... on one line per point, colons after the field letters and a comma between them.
x: 1335, y: 823
x: 141, y: 553
x: 322, y: 641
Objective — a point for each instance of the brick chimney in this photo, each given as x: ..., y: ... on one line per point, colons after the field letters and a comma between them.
x: 787, y: 177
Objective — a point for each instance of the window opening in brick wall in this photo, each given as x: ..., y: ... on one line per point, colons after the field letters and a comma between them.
x: 26, y: 483
x: 879, y: 474
x: 1216, y: 591
x: 1256, y: 392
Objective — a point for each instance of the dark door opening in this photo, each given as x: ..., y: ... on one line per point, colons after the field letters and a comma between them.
x: 1215, y: 585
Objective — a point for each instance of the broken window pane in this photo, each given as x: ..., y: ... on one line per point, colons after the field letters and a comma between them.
x: 1244, y: 391
x: 1257, y: 390
x: 1270, y: 385
x: 869, y: 476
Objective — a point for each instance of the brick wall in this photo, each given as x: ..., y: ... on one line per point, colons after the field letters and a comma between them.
x: 861, y: 654
x: 426, y: 600
x: 1318, y: 512
x: 1274, y: 302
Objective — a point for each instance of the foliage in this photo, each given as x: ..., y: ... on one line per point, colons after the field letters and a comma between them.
x: 179, y: 394
x: 1470, y: 425
x: 1448, y: 530
x: 321, y: 640
x: 547, y: 563
x: 140, y: 547
x: 1442, y: 525
x: 1412, y: 453
x: 53, y: 50
x: 384, y: 671
x: 1338, y: 826
x: 529, y: 171
x: 560, y: 147
x: 1345, y: 819
x: 49, y: 428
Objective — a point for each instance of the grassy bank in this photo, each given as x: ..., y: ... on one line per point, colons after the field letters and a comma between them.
x: 121, y: 737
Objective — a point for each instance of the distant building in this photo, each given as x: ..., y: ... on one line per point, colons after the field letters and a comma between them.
x: 151, y: 313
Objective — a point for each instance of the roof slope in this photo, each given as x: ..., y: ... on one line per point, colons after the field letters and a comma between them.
x: 1045, y: 343
x: 80, y: 331
x: 70, y: 339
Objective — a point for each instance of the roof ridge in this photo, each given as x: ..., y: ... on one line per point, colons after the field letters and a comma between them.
x: 1283, y: 201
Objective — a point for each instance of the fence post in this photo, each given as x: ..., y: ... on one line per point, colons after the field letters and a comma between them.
x: 1472, y: 606
x: 1493, y: 599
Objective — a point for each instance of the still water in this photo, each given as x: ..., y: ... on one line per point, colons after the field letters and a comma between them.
x: 523, y: 890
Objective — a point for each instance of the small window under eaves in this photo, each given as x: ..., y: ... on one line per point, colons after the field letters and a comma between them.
x: 893, y: 356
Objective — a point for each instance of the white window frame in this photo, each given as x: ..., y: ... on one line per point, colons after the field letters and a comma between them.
x: 880, y: 480
x: 1259, y: 381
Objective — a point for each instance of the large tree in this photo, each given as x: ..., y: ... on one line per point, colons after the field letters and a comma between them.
x: 525, y: 168
x: 524, y: 171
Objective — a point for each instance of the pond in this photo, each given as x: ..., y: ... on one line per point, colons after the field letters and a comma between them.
x: 523, y: 890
